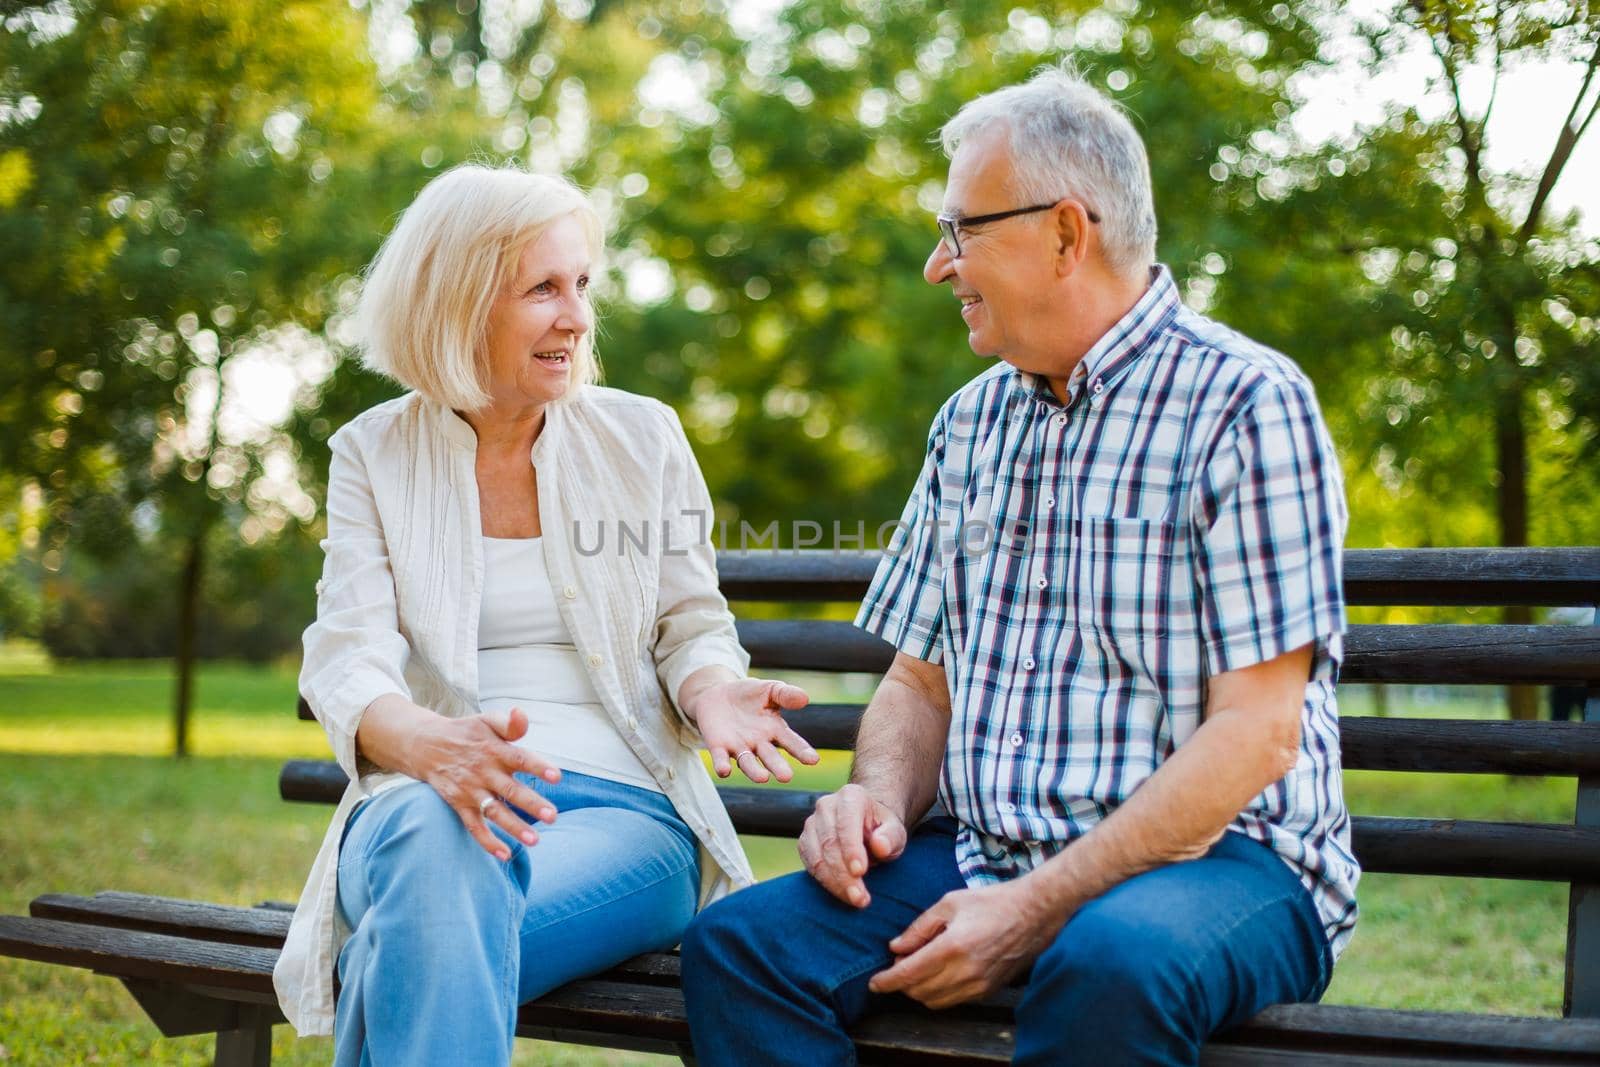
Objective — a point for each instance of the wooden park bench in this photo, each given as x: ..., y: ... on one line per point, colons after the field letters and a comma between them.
x: 206, y: 968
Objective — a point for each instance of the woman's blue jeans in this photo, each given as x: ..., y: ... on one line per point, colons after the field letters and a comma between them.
x: 775, y: 974
x: 447, y: 940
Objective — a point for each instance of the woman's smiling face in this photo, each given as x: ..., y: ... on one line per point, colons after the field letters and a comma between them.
x: 538, y: 320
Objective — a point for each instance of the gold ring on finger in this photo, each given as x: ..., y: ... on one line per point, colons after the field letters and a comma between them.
x: 742, y: 755
x: 485, y: 804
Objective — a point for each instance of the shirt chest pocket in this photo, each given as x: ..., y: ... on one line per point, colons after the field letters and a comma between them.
x: 1120, y: 577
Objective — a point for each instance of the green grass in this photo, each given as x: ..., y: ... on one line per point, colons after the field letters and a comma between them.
x: 89, y: 801
x: 124, y: 707
x: 1457, y: 944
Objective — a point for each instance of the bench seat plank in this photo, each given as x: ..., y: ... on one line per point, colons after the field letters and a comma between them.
x: 137, y: 953
x: 640, y: 1000
x: 262, y: 927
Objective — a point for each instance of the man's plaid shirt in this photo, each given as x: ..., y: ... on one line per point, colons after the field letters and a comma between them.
x: 1082, y: 570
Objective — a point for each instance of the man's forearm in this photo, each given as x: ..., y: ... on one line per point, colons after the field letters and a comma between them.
x: 1177, y: 814
x: 1250, y: 739
x: 900, y: 745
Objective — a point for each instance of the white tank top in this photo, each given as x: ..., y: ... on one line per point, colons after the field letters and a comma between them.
x: 527, y: 660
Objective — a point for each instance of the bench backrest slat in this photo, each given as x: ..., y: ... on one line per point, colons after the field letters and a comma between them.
x: 1458, y: 746
x: 1401, y: 846
x: 1430, y: 654
x: 1391, y: 577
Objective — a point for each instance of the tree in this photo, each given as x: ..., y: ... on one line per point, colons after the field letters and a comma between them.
x: 1512, y: 335
x: 185, y: 185
x: 776, y: 222
x: 179, y: 180
x: 1453, y: 316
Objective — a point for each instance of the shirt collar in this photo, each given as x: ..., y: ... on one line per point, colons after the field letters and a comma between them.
x: 456, y: 429
x: 1114, y: 354
x: 460, y: 433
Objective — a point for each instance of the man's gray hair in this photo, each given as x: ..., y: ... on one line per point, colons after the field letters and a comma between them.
x: 1067, y: 139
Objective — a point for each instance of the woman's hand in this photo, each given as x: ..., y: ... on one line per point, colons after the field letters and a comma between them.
x: 742, y: 722
x: 469, y: 762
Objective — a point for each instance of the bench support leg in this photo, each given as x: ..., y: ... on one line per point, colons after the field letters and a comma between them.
x: 1581, y: 997
x: 251, y: 1044
x: 243, y: 1029
x: 1582, y: 993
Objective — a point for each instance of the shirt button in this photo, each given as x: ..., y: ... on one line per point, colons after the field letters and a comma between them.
x: 1061, y: 420
x: 671, y: 773
x: 1027, y: 664
x: 595, y: 661
x: 1016, y: 739
x: 1008, y: 807
x: 633, y: 723
x: 1099, y: 387
x: 1049, y: 502
x: 1042, y: 583
x: 570, y: 593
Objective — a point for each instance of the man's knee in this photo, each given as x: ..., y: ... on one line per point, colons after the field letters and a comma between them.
x: 775, y: 935
x: 739, y: 922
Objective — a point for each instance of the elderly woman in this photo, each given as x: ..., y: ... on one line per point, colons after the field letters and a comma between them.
x: 519, y: 713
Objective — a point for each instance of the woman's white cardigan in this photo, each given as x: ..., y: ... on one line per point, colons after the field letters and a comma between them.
x: 626, y: 523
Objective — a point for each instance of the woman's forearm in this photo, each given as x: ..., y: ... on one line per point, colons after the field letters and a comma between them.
x: 388, y: 731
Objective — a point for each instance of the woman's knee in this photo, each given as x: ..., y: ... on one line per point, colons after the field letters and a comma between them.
x: 413, y: 838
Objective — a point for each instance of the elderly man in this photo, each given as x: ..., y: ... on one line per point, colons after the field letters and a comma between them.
x: 1106, y: 756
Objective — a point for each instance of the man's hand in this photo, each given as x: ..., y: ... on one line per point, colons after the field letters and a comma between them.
x: 969, y: 944
x: 847, y: 831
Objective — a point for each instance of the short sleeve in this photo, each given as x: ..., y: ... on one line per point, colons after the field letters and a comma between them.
x: 1269, y: 526
x: 904, y: 604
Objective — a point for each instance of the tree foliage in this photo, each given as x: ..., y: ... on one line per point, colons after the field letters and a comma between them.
x: 189, y: 188
x: 183, y: 182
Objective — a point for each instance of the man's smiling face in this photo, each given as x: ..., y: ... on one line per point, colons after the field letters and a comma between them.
x: 1004, y: 276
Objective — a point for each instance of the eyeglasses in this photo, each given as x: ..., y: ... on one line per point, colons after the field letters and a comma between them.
x: 950, y: 226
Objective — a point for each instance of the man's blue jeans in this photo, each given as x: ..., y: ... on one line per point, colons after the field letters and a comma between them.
x: 448, y: 940
x: 1144, y: 974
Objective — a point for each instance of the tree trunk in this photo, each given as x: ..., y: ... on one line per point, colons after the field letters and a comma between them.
x: 1511, y: 447
x: 188, y: 613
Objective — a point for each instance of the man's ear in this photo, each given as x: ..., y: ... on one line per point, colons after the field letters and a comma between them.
x: 1069, y: 232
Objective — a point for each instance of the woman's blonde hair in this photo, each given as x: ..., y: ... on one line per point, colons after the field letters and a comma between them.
x: 424, y: 310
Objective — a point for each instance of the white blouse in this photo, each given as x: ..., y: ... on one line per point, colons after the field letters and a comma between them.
x: 527, y: 660
x: 399, y: 604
